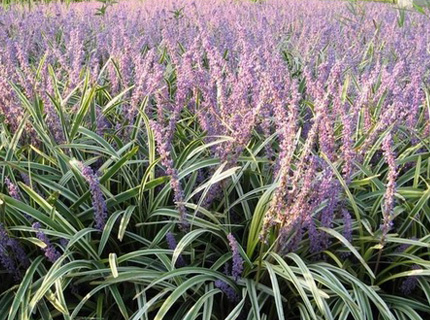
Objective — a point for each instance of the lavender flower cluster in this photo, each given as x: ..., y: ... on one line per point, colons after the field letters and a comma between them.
x: 387, y: 220
x: 236, y: 270
x: 12, y: 255
x: 172, y: 244
x: 51, y: 252
x: 98, y: 199
x: 324, y: 82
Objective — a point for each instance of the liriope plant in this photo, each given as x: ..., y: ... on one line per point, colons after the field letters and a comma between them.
x: 333, y: 287
x: 213, y: 178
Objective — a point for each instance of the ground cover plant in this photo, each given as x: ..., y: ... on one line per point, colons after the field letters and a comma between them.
x: 214, y: 160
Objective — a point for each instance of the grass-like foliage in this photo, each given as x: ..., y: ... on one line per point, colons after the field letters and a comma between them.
x: 214, y: 160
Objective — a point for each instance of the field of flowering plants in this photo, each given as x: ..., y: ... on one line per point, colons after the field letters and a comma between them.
x: 214, y: 160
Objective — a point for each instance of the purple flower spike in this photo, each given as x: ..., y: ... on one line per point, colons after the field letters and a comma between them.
x: 26, y: 179
x: 5, y: 260
x: 347, y: 225
x: 229, y: 291
x: 237, y: 259
x: 410, y: 283
x: 64, y: 242
x: 387, y: 222
x: 99, y: 203
x: 163, y: 138
x: 50, y: 252
x: 14, y: 192
x: 11, y: 253
x: 12, y: 189
x: 171, y: 243
x: 19, y: 253
x: 314, y: 237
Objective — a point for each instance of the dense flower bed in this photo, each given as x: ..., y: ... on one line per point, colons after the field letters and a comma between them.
x: 213, y: 160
